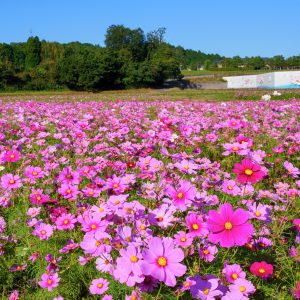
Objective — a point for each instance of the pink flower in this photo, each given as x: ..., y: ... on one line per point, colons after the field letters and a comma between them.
x: 182, y: 239
x: 14, y: 295
x: 162, y: 260
x: 10, y: 181
x: 242, y: 285
x: 182, y: 195
x: 33, y: 173
x: 128, y: 268
x: 99, y: 286
x: 49, y: 281
x: 69, y: 192
x: 261, y: 269
x: 65, y: 222
x: 228, y: 227
x: 43, y: 231
x: 233, y: 272
x: 196, y: 225
x: 11, y: 156
x: 247, y: 171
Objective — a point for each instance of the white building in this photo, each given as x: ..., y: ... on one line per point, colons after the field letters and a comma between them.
x: 287, y: 79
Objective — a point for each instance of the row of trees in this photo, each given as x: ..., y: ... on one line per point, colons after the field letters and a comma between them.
x: 130, y: 58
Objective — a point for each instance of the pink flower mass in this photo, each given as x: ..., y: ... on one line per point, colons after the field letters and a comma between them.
x: 147, y: 199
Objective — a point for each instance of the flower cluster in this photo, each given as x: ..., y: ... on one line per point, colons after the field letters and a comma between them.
x: 173, y: 199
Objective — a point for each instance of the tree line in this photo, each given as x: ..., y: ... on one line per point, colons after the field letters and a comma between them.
x: 129, y: 59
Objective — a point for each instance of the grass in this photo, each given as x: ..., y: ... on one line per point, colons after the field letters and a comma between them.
x: 150, y: 94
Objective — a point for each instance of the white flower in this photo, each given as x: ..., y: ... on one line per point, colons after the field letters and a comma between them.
x: 275, y: 93
x: 266, y: 97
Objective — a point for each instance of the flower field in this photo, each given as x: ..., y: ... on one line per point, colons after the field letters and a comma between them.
x: 149, y: 200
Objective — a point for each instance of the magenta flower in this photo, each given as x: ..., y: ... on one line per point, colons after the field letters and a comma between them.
x: 49, y: 281
x: 196, y: 225
x: 68, y: 191
x: 68, y: 176
x: 33, y: 173
x: 247, y: 171
x: 162, y: 260
x: 182, y: 195
x: 11, y: 156
x: 99, y: 286
x: 10, y: 181
x: 43, y: 231
x: 228, y: 227
x: 65, y: 222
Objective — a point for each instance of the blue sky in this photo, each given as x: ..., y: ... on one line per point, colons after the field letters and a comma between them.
x: 244, y: 27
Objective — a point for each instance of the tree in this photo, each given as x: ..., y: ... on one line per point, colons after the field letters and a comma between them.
x: 119, y: 38
x: 32, y: 52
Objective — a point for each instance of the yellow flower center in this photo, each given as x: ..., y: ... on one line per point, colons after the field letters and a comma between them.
x: 228, y: 225
x: 258, y: 213
x: 68, y: 191
x: 248, y: 172
x: 11, y: 181
x: 93, y: 226
x: 235, y: 148
x: 206, y: 292
x: 43, y: 232
x: 134, y: 258
x: 99, y: 285
x: 34, y: 173
x: 261, y: 270
x: 242, y: 288
x: 195, y: 226
x: 66, y: 222
x: 49, y: 281
x: 183, y: 239
x: 205, y: 251
x: 187, y: 284
x: 98, y: 243
x: 162, y: 261
x: 180, y: 195
x: 12, y: 156
x: 142, y: 227
x: 234, y: 276
x: 115, y: 185
x: 230, y: 187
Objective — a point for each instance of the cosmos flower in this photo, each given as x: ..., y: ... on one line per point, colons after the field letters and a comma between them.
x: 228, y: 227
x: 205, y: 287
x: 99, y: 286
x: 162, y: 260
x: 261, y: 269
x: 10, y: 181
x: 11, y: 156
x: 196, y: 225
x: 43, y: 231
x: 182, y: 195
x: 65, y: 222
x: 49, y: 281
x: 247, y: 171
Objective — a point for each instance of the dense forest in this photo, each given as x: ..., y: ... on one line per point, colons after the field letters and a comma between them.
x: 130, y: 58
